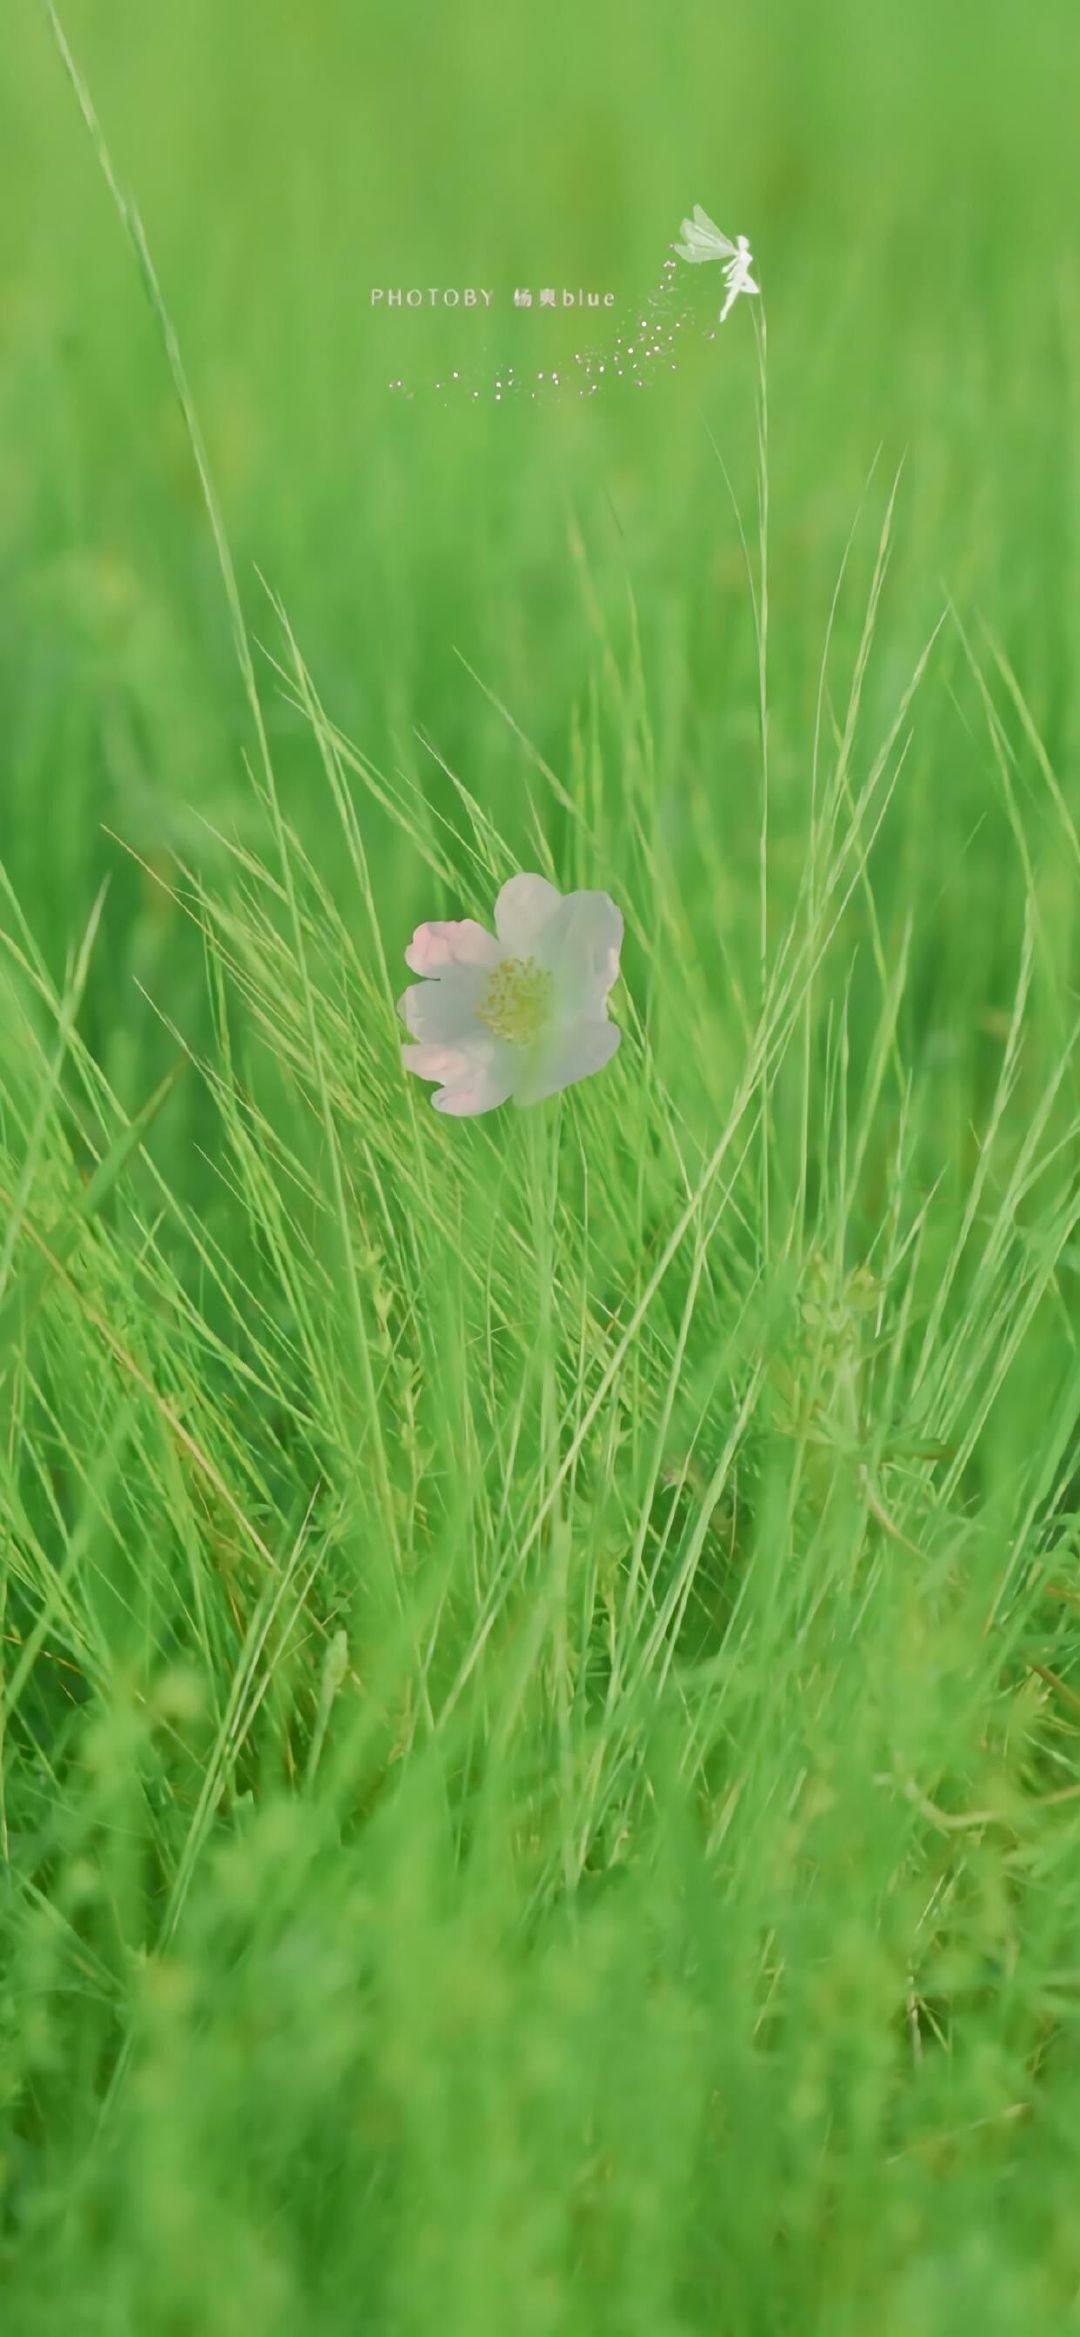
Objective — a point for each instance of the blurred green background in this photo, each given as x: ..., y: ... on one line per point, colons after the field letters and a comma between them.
x: 907, y: 179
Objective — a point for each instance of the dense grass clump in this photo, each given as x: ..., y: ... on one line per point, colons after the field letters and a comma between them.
x: 540, y: 1684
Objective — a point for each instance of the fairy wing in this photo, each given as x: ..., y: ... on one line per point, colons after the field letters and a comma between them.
x: 702, y: 239
x: 707, y: 226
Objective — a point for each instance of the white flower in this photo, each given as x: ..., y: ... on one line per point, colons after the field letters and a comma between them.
x: 521, y: 1012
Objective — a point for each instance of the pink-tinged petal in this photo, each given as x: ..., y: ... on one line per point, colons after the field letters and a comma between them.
x: 583, y: 947
x: 430, y: 1062
x: 574, y: 1052
x: 478, y: 1089
x: 474, y: 1077
x: 444, y: 1011
x: 526, y: 905
x: 459, y: 943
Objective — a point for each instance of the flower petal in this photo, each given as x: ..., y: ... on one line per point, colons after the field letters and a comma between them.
x: 575, y: 1051
x: 583, y: 948
x: 444, y: 1010
x: 475, y: 1076
x: 462, y: 942
x: 525, y: 906
x: 432, y: 1062
x: 479, y: 1088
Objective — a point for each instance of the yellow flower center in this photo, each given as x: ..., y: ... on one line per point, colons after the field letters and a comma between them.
x: 517, y: 1002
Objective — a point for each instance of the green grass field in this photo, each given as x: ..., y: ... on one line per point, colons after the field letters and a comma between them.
x: 540, y: 1711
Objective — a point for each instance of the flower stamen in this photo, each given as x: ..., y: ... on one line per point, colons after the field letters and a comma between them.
x: 516, y: 1006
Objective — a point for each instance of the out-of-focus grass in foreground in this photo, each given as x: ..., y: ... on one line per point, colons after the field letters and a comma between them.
x: 540, y: 1658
